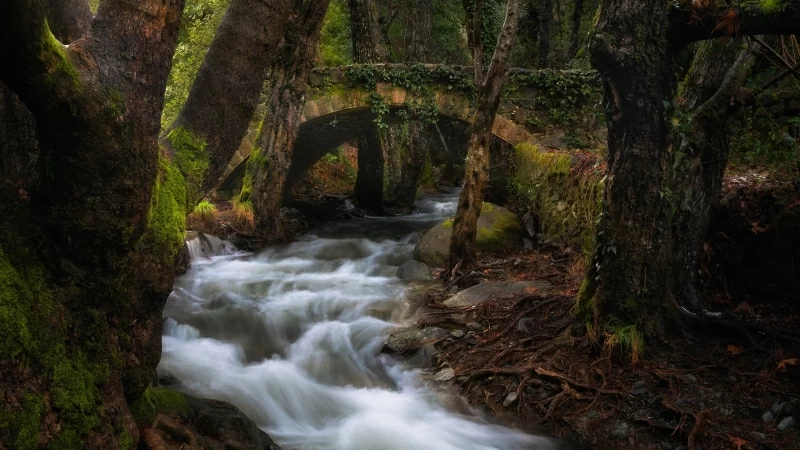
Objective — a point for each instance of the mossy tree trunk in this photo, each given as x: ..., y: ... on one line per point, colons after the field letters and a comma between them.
x: 368, y: 49
x: 630, y: 288
x: 84, y: 266
x: 225, y: 93
x: 269, y: 164
x: 488, y: 86
x: 413, y: 160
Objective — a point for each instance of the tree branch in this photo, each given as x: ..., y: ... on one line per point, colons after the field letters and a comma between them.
x: 688, y: 25
x: 477, y: 43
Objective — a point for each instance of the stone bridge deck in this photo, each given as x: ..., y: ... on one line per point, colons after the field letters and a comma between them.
x: 544, y: 107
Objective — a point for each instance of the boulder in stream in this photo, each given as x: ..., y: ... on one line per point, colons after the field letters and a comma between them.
x: 493, y: 290
x: 498, y: 229
x: 171, y: 420
x: 413, y: 270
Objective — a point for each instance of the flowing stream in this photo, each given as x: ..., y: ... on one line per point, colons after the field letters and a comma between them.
x: 292, y: 336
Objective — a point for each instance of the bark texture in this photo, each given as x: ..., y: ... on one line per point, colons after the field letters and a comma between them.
x: 84, y: 274
x: 68, y: 19
x: 575, y: 37
x: 269, y: 164
x: 699, y: 153
x: 546, y: 32
x: 225, y: 93
x: 489, y: 86
x: 368, y: 49
x: 629, y: 281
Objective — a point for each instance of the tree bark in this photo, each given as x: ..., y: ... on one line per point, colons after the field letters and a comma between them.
x: 489, y: 85
x: 68, y: 19
x: 700, y: 153
x: 639, y: 253
x: 422, y: 30
x: 575, y: 38
x: 546, y: 31
x: 83, y: 287
x: 225, y: 92
x: 269, y: 165
x: 368, y: 49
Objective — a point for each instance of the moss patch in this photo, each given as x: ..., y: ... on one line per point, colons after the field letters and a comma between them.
x: 566, y: 199
x: 158, y: 401
x: 192, y: 160
x: 166, y: 221
x: 59, y: 68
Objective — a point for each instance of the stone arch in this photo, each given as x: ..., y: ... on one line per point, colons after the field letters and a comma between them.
x: 331, y: 120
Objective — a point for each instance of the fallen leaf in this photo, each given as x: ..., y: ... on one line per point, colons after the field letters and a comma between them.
x: 737, y: 442
x: 735, y: 349
x: 757, y: 228
x: 744, y: 307
x: 787, y: 362
x: 730, y: 23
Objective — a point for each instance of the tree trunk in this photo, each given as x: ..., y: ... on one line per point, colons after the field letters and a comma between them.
x: 700, y: 153
x: 546, y: 32
x: 628, y: 285
x: 640, y: 254
x: 413, y: 162
x: 575, y: 36
x: 225, y: 92
x: 85, y: 262
x: 489, y: 86
x: 367, y: 49
x: 68, y: 19
x: 269, y: 164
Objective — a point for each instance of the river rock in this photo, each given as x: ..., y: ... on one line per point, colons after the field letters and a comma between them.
x: 445, y: 374
x: 414, y: 271
x: 478, y: 294
x: 786, y: 423
x: 403, y: 340
x: 177, y: 421
x: 498, y: 229
x: 510, y: 398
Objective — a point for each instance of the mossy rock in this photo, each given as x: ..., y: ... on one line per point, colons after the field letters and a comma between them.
x: 498, y: 229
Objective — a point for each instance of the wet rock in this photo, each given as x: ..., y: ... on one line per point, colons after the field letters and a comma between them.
x: 474, y: 326
x: 414, y: 271
x: 453, y: 289
x: 759, y: 437
x: 510, y: 398
x: 778, y: 407
x: 458, y: 334
x: 786, y: 423
x: 498, y: 229
x: 476, y: 295
x: 768, y: 417
x: 446, y: 374
x: 526, y: 325
x: 175, y: 421
x: 639, y: 388
x: 621, y: 431
x: 406, y: 339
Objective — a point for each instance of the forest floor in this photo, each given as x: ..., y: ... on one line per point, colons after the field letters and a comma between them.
x: 702, y: 389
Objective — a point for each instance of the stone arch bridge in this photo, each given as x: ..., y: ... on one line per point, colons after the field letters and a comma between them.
x: 541, y: 107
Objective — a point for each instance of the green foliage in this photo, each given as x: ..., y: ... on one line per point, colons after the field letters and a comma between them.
x: 624, y: 337
x: 449, y: 43
x: 166, y: 220
x: 74, y: 391
x: 334, y: 41
x: 774, y: 6
x: 201, y: 18
x: 158, y: 401
x: 205, y: 210
x: 192, y: 160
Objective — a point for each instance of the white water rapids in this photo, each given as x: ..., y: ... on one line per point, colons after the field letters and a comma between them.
x: 292, y: 336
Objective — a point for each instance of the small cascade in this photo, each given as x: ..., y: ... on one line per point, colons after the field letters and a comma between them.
x: 203, y: 245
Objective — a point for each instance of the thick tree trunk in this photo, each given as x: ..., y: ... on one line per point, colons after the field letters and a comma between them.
x: 368, y: 191
x: 640, y: 253
x: 575, y: 36
x: 225, y: 92
x: 629, y: 280
x: 269, y: 165
x: 368, y: 48
x: 84, y: 265
x: 413, y: 162
x: 489, y: 86
x: 546, y: 32
x: 68, y: 19
x: 700, y: 153
x: 421, y: 32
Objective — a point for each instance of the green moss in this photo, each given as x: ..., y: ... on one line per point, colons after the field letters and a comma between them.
x: 15, y: 299
x: 26, y: 422
x: 166, y: 221
x: 74, y: 391
x: 448, y: 223
x: 773, y: 6
x: 158, y: 401
x: 566, y: 201
x: 205, y: 210
x: 504, y: 225
x: 54, y: 56
x: 192, y: 160
x: 126, y: 441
